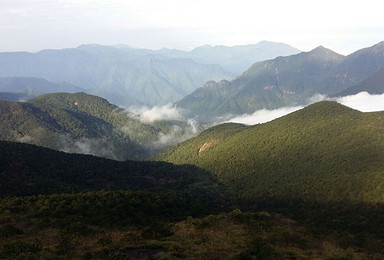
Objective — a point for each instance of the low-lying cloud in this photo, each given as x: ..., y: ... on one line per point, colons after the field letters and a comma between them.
x: 362, y: 101
x: 157, y: 113
x: 100, y: 147
x: 177, y: 134
x: 263, y: 115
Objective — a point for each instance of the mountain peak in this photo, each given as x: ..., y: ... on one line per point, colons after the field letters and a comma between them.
x: 324, y: 109
x: 320, y: 49
x: 325, y: 53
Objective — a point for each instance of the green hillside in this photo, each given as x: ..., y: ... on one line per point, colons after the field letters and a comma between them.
x: 322, y: 165
x: 82, y: 123
x: 323, y: 152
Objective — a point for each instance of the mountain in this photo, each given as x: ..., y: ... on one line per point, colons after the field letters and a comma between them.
x: 10, y: 96
x: 284, y: 81
x: 35, y: 86
x: 235, y: 59
x: 358, y: 66
x: 324, y: 152
x: 268, y: 84
x: 322, y: 166
x: 133, y: 77
x: 81, y: 123
x: 373, y: 84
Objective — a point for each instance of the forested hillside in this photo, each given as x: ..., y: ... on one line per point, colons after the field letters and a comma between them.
x: 321, y: 148
x: 82, y: 123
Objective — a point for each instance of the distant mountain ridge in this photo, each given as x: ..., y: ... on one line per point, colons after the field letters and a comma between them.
x: 128, y: 76
x: 35, y: 86
x: 122, y: 78
x: 235, y: 59
x: 10, y: 96
x: 284, y: 81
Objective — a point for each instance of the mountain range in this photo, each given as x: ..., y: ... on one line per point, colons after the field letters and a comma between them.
x: 289, y: 81
x: 128, y: 76
x: 235, y: 59
x: 81, y: 123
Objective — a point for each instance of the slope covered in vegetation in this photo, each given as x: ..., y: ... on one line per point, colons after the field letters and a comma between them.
x: 59, y: 205
x: 323, y: 165
x: 82, y: 123
x: 313, y: 153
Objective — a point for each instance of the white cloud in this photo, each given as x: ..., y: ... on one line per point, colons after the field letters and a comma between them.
x: 157, y: 113
x: 177, y: 134
x: 94, y: 146
x: 364, y: 102
x: 263, y: 115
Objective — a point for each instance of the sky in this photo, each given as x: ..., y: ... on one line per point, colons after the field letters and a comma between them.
x: 343, y: 26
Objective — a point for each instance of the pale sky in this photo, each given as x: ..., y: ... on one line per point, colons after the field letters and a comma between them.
x: 343, y: 26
